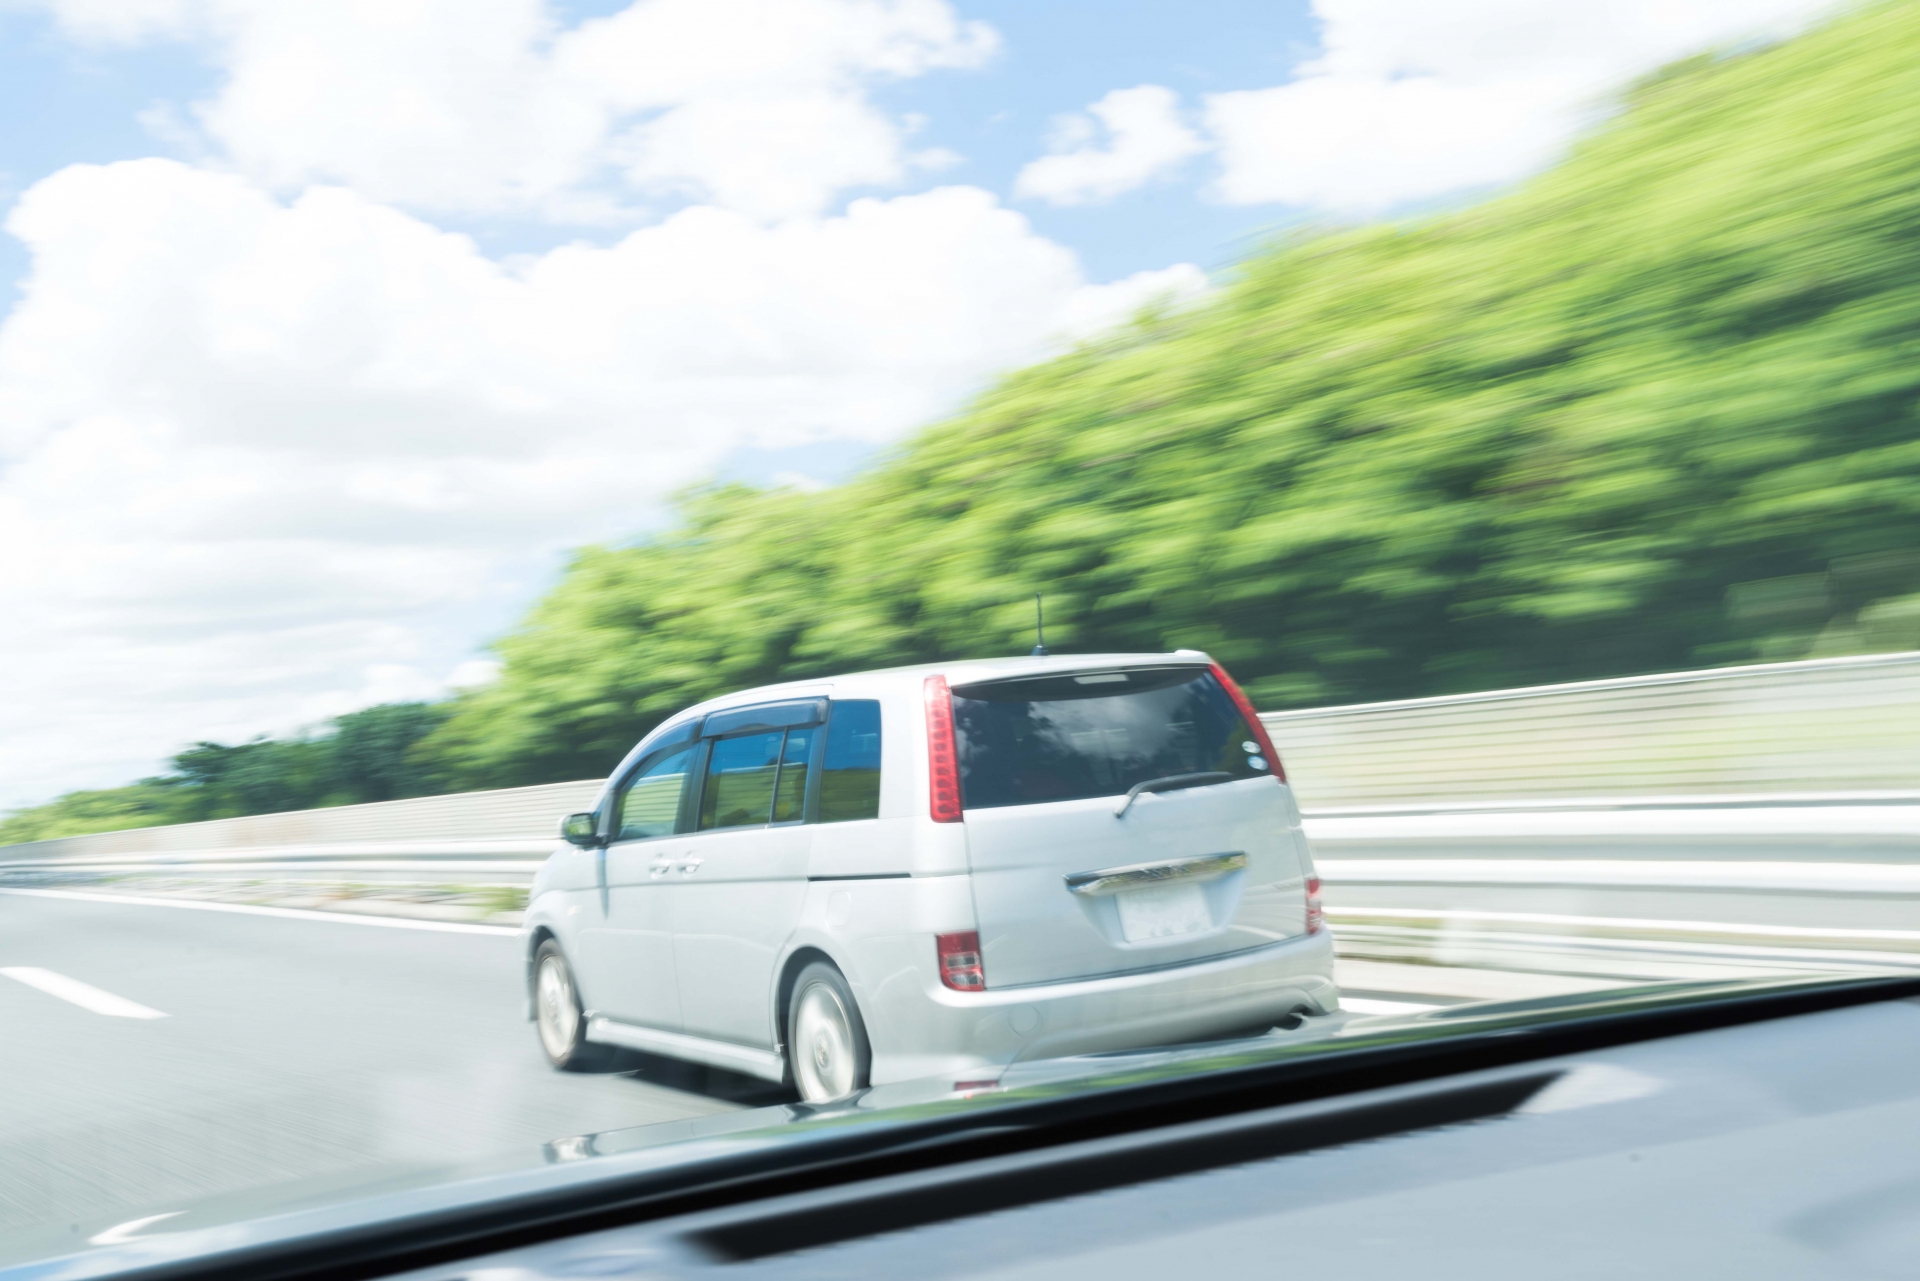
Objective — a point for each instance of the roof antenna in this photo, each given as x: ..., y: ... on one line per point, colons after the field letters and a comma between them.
x: 1039, y: 629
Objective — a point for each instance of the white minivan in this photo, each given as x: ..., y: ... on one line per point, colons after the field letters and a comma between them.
x: 934, y: 870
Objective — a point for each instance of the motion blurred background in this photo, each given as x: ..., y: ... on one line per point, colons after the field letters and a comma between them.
x: 1525, y: 343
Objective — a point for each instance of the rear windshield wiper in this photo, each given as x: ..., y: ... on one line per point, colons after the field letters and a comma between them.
x: 1171, y: 783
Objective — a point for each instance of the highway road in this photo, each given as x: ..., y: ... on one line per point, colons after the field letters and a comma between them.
x: 151, y: 1055
x: 154, y: 1052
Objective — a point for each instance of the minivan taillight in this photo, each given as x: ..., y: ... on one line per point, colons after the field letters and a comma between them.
x: 1316, y: 915
x: 943, y: 769
x: 1254, y: 725
x: 960, y: 960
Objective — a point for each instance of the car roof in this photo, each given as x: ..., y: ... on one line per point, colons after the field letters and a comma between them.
x: 962, y: 671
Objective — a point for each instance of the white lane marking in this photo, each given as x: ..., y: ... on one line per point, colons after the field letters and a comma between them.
x: 84, y: 995
x: 1361, y: 1005
x: 292, y: 913
x: 121, y: 1232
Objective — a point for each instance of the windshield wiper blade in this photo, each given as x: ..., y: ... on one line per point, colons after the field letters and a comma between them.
x: 1171, y: 783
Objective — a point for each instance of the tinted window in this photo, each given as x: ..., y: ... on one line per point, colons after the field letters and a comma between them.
x: 650, y: 802
x: 850, y: 774
x: 790, y: 793
x: 1063, y: 738
x: 740, y: 779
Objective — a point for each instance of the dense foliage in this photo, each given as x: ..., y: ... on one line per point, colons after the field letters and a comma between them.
x: 367, y: 755
x: 1658, y: 408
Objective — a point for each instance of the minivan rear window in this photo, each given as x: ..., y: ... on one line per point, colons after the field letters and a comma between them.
x: 1063, y: 738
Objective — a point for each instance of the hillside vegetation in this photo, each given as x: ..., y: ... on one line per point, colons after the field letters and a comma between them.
x: 363, y: 756
x: 1658, y: 408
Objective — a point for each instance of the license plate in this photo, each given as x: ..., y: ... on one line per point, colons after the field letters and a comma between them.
x: 1163, y: 912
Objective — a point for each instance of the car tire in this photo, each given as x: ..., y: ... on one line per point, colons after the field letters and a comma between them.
x: 558, y: 1015
x: 827, y: 1050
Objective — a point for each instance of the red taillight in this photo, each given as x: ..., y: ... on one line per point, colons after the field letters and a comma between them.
x: 943, y: 770
x: 1316, y: 915
x: 960, y: 960
x: 1254, y: 725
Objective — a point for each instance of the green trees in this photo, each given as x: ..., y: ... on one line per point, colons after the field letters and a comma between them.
x: 372, y: 751
x: 369, y: 755
x: 1590, y: 428
x: 1658, y: 408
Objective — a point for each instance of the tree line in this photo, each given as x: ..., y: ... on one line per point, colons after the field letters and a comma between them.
x: 369, y: 755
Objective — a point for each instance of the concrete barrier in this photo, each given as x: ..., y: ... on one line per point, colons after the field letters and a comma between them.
x: 1843, y: 725
x: 522, y: 815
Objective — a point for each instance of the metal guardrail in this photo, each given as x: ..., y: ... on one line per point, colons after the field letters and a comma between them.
x: 1573, y: 887
x: 1802, y: 881
x: 1813, y: 832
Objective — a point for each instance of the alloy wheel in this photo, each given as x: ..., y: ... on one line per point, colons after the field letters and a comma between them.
x: 823, y: 1059
x: 558, y: 1012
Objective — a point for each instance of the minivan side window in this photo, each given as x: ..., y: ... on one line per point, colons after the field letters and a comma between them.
x: 649, y: 802
x: 741, y: 773
x: 850, y: 775
x: 790, y: 793
x: 749, y: 775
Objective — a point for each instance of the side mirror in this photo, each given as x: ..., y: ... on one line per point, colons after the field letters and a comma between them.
x: 581, y: 830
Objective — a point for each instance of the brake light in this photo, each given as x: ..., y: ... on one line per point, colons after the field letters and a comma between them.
x: 1253, y: 720
x: 1316, y: 915
x: 959, y: 955
x: 943, y: 770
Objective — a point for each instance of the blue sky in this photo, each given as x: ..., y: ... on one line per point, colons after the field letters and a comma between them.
x: 1058, y: 57
x: 329, y: 327
x: 63, y: 102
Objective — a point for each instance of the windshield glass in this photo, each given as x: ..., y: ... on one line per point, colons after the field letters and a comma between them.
x: 575, y: 566
x: 1064, y: 738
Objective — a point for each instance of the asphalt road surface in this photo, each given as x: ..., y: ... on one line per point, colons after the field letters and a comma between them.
x: 154, y: 1055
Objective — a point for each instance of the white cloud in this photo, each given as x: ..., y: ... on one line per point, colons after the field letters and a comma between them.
x: 1410, y: 100
x: 1145, y: 138
x: 474, y: 674
x: 264, y: 460
x: 487, y: 106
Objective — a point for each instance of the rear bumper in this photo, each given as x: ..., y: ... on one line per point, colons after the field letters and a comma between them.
x: 944, y: 1031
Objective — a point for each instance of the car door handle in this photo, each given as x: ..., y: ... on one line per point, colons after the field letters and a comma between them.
x: 688, y: 866
x: 660, y: 867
